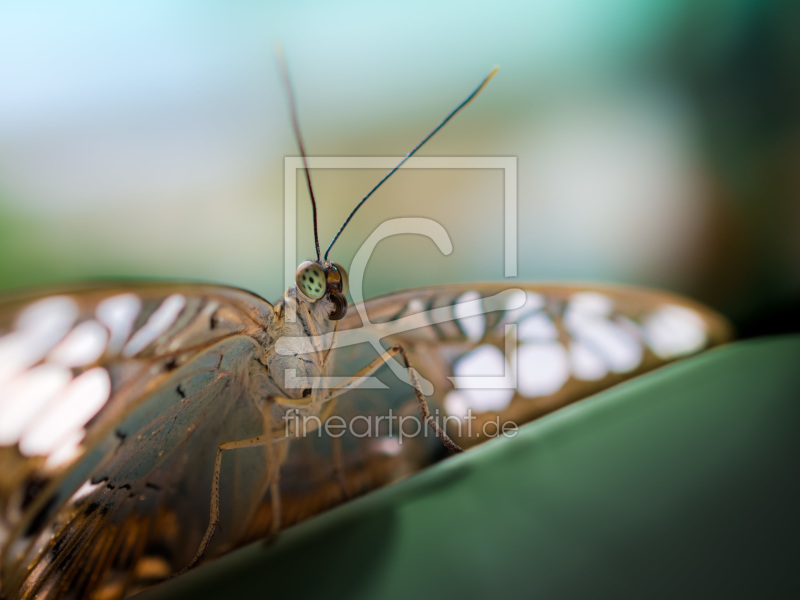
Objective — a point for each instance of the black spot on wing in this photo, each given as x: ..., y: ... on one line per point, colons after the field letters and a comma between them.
x: 40, y: 518
x: 398, y: 314
x: 58, y: 545
x: 435, y: 326
x: 33, y: 488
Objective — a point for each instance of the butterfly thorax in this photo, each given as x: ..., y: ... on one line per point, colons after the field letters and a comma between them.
x: 299, y: 361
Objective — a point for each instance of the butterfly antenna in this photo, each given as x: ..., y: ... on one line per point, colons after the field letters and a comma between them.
x: 296, y: 126
x: 410, y: 154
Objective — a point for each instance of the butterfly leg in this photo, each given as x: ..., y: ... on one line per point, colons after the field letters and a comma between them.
x: 354, y: 381
x: 273, y: 461
x: 337, y: 454
x: 423, y: 404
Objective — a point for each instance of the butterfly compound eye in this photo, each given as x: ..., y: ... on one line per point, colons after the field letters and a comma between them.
x: 310, y: 280
x: 343, y: 275
x: 337, y: 287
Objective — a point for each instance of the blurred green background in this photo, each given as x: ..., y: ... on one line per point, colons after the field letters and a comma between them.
x: 657, y: 142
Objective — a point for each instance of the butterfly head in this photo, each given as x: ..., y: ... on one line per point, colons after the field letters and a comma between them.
x: 317, y: 279
x: 323, y: 279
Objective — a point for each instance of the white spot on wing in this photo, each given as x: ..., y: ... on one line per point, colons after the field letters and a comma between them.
x: 47, y: 314
x: 485, y: 361
x: 543, y: 369
x: 455, y: 404
x: 387, y: 446
x: 467, y: 311
x: 533, y: 302
x: 39, y: 327
x: 415, y: 306
x: 82, y: 346
x: 67, y: 449
x: 586, y: 318
x: 537, y: 327
x: 157, y: 325
x: 67, y: 414
x: 26, y: 396
x: 674, y: 331
x: 592, y: 303
x: 87, y: 488
x: 586, y: 365
x: 118, y: 313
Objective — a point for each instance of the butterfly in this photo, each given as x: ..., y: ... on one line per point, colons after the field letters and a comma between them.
x: 147, y: 427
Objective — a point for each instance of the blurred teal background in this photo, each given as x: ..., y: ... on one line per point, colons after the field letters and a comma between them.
x: 657, y: 142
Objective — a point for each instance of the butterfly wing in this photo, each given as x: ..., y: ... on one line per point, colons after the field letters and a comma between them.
x: 491, y: 356
x: 112, y: 404
x: 121, y: 498
x: 498, y: 354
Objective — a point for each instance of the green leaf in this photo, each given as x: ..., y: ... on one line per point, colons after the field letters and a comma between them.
x: 680, y: 483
